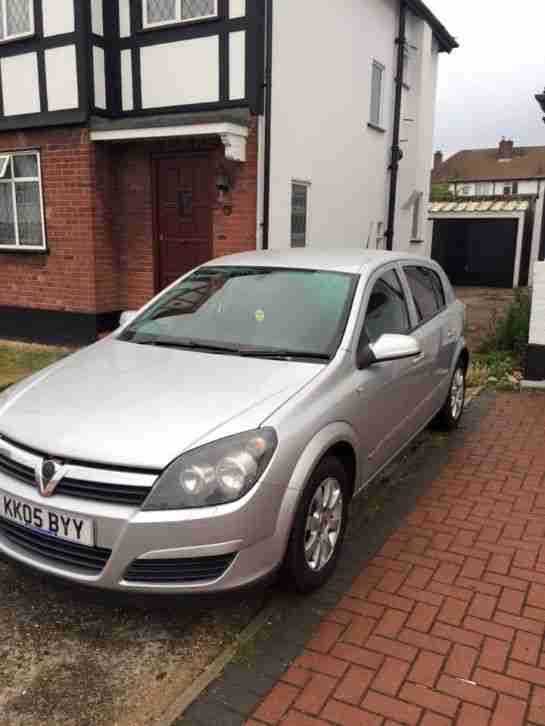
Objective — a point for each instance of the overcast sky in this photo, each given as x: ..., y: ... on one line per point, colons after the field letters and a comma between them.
x: 487, y: 86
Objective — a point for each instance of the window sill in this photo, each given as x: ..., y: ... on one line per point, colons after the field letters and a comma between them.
x: 24, y: 251
x: 18, y: 38
x: 177, y: 24
x: 380, y: 129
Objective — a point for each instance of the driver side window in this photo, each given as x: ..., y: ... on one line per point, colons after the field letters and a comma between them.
x: 387, y: 310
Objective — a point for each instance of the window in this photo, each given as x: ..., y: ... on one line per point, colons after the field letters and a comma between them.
x: 466, y: 190
x: 387, y: 310
x: 299, y: 214
x: 484, y: 189
x: 252, y: 309
x: 511, y: 188
x: 16, y: 19
x: 21, y: 208
x: 377, y: 84
x: 165, y: 12
x: 427, y: 290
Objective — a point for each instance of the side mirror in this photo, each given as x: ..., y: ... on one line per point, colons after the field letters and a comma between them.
x: 388, y: 348
x: 127, y: 317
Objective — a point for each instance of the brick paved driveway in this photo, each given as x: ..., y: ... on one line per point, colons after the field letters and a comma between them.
x: 445, y: 625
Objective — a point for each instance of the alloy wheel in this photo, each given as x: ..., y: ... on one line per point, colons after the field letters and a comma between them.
x: 457, y: 394
x: 323, y: 524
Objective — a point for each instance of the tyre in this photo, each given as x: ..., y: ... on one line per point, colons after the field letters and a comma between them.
x: 319, y: 527
x: 450, y: 415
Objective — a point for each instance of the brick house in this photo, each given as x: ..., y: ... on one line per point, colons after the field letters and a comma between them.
x: 491, y: 230
x: 139, y: 138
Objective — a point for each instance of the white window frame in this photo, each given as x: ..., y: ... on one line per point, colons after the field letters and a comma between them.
x: 373, y: 122
x: 307, y: 185
x: 178, y: 20
x: 487, y: 186
x: 4, y: 21
x: 16, y: 244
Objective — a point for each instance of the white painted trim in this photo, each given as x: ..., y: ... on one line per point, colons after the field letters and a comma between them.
x: 492, y: 215
x: 233, y: 136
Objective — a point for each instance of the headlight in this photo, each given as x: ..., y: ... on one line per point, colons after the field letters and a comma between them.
x: 217, y: 473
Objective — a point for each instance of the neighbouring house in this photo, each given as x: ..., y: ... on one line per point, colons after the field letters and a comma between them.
x: 535, y: 356
x: 140, y: 138
x: 490, y: 230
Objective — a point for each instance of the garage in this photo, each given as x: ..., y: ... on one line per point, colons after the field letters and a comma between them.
x: 485, y: 250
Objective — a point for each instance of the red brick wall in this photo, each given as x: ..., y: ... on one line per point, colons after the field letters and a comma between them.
x: 63, y: 279
x: 99, y: 216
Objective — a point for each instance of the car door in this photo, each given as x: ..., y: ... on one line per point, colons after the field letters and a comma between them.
x: 431, y: 323
x: 384, y: 393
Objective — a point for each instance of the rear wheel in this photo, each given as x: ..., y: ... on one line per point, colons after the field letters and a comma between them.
x: 319, y: 527
x: 450, y: 415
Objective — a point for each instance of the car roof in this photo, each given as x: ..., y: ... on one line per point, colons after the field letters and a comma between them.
x: 352, y: 261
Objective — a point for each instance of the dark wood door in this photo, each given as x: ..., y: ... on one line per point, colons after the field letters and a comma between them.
x: 184, y: 200
x: 477, y: 252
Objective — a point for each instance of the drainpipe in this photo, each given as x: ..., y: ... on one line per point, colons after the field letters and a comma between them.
x: 268, y: 107
x: 396, y: 153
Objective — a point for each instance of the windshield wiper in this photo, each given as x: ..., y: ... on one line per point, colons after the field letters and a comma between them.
x: 183, y: 344
x: 282, y: 354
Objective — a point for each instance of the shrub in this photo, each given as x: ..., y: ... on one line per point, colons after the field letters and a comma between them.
x: 510, y: 331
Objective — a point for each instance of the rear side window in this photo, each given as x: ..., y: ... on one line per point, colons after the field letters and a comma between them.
x: 427, y: 290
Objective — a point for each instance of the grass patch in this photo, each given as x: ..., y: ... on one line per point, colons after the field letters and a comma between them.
x: 18, y: 361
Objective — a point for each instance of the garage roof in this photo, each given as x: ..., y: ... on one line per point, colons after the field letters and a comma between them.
x: 517, y: 205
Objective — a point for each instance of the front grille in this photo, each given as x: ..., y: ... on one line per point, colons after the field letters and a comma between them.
x: 133, y: 496
x: 90, y: 560
x: 179, y: 571
x: 18, y: 471
x: 101, y: 492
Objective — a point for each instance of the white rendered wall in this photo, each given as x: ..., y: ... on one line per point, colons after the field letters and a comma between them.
x: 61, y: 72
x: 20, y: 87
x: 320, y: 133
x: 537, y: 324
x: 58, y: 17
x: 417, y: 127
x: 320, y: 110
x: 164, y: 85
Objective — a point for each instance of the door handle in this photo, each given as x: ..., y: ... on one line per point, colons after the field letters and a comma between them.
x: 420, y: 358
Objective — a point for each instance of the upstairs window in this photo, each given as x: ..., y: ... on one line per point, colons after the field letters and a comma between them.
x: 299, y: 214
x: 21, y: 206
x: 166, y: 12
x: 16, y: 19
x: 377, y: 91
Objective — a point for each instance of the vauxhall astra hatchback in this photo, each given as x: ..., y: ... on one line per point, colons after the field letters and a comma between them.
x: 220, y: 434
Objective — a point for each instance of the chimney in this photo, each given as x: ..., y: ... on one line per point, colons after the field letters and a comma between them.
x: 437, y: 160
x: 506, y: 149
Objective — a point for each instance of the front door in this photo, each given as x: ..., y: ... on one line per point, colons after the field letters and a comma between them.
x: 184, y: 202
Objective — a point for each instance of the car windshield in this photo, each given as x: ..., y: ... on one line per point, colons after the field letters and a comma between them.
x: 268, y: 312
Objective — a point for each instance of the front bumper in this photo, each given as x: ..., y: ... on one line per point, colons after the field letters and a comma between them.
x: 254, y: 531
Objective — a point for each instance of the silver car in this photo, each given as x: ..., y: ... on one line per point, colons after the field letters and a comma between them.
x: 220, y: 434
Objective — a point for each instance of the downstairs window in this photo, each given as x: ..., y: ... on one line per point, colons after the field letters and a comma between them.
x: 21, y: 205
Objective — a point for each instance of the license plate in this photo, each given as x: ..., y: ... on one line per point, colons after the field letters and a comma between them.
x: 61, y: 525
